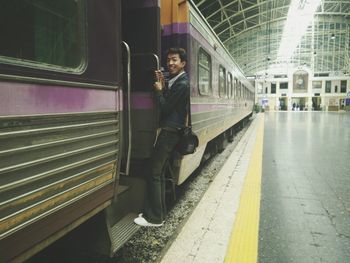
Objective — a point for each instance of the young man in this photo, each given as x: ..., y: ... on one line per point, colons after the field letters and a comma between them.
x: 173, y: 101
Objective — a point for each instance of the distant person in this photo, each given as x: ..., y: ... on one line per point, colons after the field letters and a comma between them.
x: 173, y: 100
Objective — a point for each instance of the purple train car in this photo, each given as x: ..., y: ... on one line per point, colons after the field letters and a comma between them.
x: 221, y: 97
x: 78, y: 118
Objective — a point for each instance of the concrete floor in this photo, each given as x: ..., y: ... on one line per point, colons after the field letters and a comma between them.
x: 305, y: 201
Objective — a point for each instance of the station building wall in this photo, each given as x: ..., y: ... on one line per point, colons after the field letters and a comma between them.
x: 303, y: 88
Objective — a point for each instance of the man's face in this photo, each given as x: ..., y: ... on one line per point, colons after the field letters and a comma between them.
x: 175, y: 65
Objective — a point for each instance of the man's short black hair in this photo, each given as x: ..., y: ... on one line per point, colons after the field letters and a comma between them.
x: 178, y: 50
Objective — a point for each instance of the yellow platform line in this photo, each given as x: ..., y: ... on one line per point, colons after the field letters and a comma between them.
x: 243, y: 245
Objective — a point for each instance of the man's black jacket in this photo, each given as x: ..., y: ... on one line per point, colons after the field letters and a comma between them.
x: 174, y: 103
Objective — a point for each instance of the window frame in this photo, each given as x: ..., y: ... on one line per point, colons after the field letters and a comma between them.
x: 284, y: 83
x: 209, y: 70
x: 222, y: 80
x: 316, y: 84
x: 39, y: 65
x: 239, y: 90
x: 230, y: 85
x: 273, y: 88
x: 343, y: 87
x: 235, y: 85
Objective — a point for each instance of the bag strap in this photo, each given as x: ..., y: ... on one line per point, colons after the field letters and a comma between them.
x: 188, y: 116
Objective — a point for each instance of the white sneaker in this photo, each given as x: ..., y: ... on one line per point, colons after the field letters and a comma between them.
x: 143, y: 222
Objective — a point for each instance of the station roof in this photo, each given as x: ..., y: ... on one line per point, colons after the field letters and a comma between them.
x: 272, y: 36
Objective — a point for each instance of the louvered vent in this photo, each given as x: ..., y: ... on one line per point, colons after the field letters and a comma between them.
x: 48, y: 162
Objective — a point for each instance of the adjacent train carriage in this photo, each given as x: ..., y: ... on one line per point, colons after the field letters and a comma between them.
x: 78, y: 117
x: 221, y: 96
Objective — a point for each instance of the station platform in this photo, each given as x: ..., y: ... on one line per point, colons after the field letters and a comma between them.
x: 282, y: 196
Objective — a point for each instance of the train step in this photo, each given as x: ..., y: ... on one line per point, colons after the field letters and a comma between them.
x: 122, y: 189
x: 122, y: 231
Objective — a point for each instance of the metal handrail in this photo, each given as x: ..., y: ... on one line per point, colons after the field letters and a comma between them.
x: 127, y: 168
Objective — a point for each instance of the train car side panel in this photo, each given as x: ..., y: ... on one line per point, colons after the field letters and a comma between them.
x: 213, y: 112
x: 59, y: 120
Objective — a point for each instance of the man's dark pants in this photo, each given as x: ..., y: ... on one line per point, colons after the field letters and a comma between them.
x: 155, y: 210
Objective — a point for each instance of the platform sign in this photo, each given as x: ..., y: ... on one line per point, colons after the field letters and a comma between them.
x: 264, y: 102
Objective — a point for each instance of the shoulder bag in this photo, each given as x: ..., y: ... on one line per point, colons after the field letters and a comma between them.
x: 189, y: 140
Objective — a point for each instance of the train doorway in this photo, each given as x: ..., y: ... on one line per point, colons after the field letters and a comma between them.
x: 316, y: 103
x: 144, y: 39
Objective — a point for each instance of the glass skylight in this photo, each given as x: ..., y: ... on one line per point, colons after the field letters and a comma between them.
x: 300, y: 16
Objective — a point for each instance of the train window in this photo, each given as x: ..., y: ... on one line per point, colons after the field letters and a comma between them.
x: 47, y: 34
x: 204, y: 72
x: 229, y: 85
x: 235, y: 87
x: 239, y: 94
x: 241, y: 91
x: 222, y: 82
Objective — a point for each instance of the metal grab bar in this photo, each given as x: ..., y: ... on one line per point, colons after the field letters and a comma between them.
x: 157, y: 59
x: 127, y: 168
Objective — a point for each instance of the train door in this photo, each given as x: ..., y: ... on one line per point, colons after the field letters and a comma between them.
x: 141, y: 32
